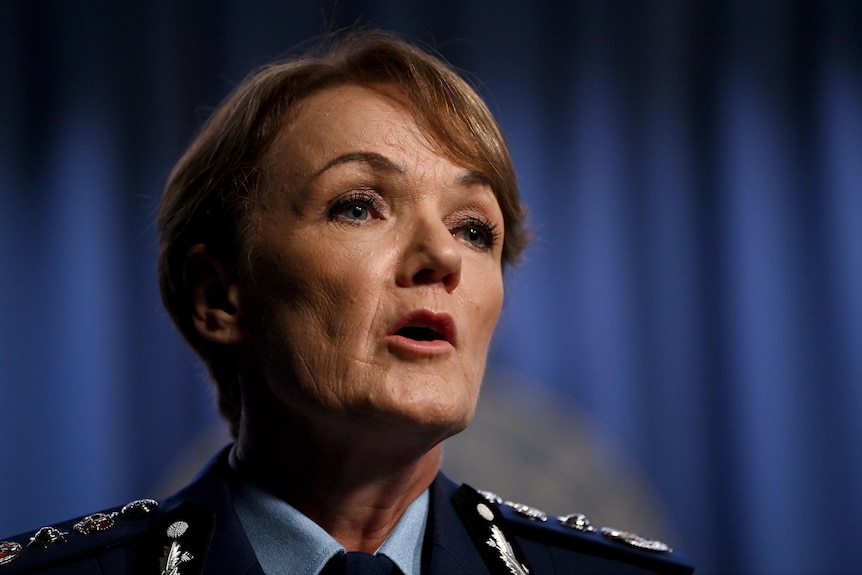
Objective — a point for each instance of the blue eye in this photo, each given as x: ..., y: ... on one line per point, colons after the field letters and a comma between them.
x: 357, y: 207
x: 477, y: 233
x: 473, y: 236
x: 355, y: 212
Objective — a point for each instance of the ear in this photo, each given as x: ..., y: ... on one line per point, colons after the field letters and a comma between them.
x: 215, y: 297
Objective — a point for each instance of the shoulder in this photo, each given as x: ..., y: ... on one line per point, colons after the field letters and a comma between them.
x: 510, y: 532
x: 77, y: 541
x: 142, y: 536
x: 139, y: 537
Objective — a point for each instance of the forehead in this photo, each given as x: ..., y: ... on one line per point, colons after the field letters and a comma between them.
x: 329, y: 122
x: 352, y: 121
x: 347, y: 100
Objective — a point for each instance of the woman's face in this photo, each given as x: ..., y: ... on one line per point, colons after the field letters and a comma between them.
x: 377, y: 269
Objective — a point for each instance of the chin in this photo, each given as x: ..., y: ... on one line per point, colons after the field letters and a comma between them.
x: 439, y: 421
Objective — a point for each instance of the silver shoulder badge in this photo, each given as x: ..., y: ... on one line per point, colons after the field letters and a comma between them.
x: 139, y: 508
x: 9, y: 551
x: 499, y: 542
x: 480, y: 513
x: 174, y: 555
x: 47, y: 536
x: 95, y: 522
x: 527, y: 511
x: 490, y: 496
x: 635, y: 540
x: 577, y: 521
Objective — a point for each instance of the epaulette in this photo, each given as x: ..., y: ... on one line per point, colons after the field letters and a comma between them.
x: 81, y: 537
x: 497, y: 525
x: 159, y: 539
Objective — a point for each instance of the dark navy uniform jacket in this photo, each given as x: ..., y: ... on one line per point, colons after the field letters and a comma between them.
x: 197, y: 531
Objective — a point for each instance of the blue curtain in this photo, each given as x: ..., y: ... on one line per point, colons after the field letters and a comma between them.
x: 694, y: 175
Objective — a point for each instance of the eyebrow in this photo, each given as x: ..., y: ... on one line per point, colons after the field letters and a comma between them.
x: 474, y: 178
x: 381, y: 162
x: 373, y: 159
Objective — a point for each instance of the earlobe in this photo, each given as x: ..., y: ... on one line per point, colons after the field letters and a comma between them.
x: 216, y: 300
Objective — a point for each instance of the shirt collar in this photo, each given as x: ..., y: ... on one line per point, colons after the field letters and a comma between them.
x: 404, y: 544
x: 286, y: 542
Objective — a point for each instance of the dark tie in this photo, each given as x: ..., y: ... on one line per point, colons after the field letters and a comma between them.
x: 358, y: 563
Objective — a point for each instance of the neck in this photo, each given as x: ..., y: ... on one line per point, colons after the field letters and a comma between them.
x: 355, y: 484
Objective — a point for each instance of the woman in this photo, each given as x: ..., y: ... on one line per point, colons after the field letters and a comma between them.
x: 333, y: 246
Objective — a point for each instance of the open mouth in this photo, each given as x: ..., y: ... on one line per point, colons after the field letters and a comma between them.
x: 420, y: 333
x: 426, y: 327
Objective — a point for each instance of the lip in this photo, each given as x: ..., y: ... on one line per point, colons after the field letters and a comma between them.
x: 438, y: 328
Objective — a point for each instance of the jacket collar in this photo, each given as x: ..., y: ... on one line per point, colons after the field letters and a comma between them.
x: 229, y: 548
x: 448, y: 548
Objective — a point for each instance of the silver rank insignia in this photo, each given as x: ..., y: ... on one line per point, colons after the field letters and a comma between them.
x: 527, y: 511
x: 635, y: 540
x: 491, y: 496
x: 139, y: 508
x: 499, y: 542
x: 95, y: 522
x: 47, y: 536
x: 9, y: 551
x: 480, y: 514
x: 174, y: 556
x: 577, y: 521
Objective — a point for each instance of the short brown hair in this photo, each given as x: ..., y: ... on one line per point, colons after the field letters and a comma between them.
x: 211, y: 193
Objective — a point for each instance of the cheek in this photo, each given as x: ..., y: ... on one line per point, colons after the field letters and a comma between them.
x: 349, y: 301
x: 311, y: 337
x: 481, y: 309
x: 321, y: 300
x: 484, y: 307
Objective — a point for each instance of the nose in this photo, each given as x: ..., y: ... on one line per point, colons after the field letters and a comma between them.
x: 432, y: 256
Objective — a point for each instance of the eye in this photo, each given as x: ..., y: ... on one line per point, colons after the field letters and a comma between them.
x: 355, y: 212
x: 356, y: 207
x: 473, y: 235
x: 478, y: 233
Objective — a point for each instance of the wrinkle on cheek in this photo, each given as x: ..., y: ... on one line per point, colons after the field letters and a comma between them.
x: 345, y: 322
x: 316, y: 374
x: 370, y: 336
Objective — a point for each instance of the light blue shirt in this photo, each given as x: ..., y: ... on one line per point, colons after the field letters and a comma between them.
x: 287, y: 542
